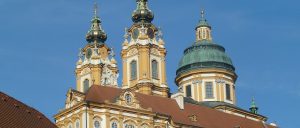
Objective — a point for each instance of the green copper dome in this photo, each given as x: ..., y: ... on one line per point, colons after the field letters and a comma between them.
x: 204, y: 54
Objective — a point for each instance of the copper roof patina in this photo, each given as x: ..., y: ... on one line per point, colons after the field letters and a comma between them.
x: 204, y: 54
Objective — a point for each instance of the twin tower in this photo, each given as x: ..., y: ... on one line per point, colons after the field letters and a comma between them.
x: 205, y: 72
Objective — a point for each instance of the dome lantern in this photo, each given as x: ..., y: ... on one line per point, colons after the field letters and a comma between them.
x: 203, y: 30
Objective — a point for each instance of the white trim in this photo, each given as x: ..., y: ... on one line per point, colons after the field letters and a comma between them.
x: 129, y: 114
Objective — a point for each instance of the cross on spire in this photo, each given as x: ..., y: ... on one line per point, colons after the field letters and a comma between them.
x: 202, y: 14
x: 95, y: 9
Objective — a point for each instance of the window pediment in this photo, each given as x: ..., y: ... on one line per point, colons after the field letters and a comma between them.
x: 132, y: 52
x: 85, y: 71
x: 154, y: 51
x: 128, y: 99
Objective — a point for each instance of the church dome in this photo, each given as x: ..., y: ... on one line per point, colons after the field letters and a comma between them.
x: 204, y: 54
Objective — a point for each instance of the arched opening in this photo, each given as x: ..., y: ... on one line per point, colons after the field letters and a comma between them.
x: 154, y: 67
x: 209, y: 92
x: 86, y: 85
x: 228, y: 92
x: 114, y: 124
x: 77, y: 124
x: 97, y: 122
x: 133, y: 70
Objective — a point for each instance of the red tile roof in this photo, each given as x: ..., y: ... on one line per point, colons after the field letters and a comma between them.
x: 15, y: 114
x: 206, y: 117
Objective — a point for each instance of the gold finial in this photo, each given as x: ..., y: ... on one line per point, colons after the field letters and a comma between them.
x: 202, y: 14
x: 95, y: 9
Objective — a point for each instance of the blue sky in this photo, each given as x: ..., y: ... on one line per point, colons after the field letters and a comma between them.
x: 40, y: 41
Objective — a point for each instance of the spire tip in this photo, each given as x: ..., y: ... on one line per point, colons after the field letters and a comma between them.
x: 202, y: 13
x: 95, y: 9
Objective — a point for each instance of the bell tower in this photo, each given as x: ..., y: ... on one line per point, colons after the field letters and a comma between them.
x: 143, y: 54
x: 96, y: 64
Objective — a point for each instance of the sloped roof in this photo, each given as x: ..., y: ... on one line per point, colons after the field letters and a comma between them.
x: 15, y: 114
x: 206, y: 117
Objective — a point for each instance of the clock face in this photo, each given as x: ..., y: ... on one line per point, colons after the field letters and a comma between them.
x: 89, y: 53
x: 135, y: 34
x: 150, y: 33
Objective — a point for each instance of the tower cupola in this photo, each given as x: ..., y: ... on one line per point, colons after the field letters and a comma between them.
x: 142, y: 12
x: 96, y: 64
x: 96, y: 34
x: 203, y: 30
x: 143, y: 54
x: 253, y: 109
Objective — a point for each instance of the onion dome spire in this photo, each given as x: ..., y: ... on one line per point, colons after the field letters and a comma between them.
x: 142, y: 12
x: 96, y: 34
x: 253, y: 109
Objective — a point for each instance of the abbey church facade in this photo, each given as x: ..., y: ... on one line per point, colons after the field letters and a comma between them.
x: 205, y: 78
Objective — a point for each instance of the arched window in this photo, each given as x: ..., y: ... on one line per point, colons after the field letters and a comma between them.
x: 133, y: 70
x: 77, y: 124
x: 209, y: 90
x: 114, y: 125
x: 86, y: 85
x: 129, y: 126
x: 154, y: 65
x: 228, y: 92
x: 70, y: 126
x: 96, y: 124
x: 144, y: 126
x: 203, y: 34
x: 188, y: 90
